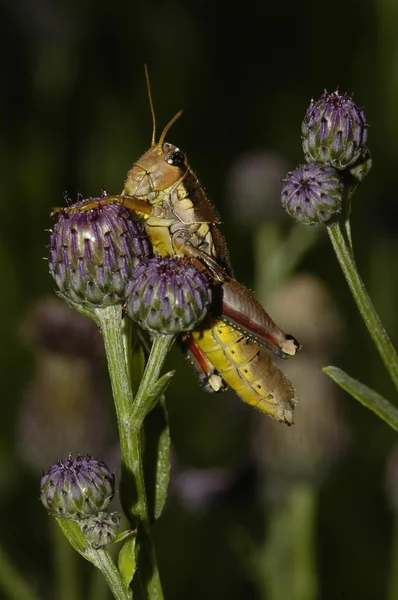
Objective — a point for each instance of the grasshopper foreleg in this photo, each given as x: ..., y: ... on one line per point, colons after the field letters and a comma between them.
x: 132, y: 204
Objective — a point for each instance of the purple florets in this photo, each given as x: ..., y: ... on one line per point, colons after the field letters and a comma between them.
x: 168, y: 295
x: 93, y: 252
x: 77, y: 487
x: 334, y: 131
x: 312, y: 193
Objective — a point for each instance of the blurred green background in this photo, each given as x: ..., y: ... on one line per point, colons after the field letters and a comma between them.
x: 74, y: 116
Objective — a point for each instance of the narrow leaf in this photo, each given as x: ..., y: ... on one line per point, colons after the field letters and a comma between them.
x: 157, y: 459
x: 159, y: 388
x: 121, y: 537
x: 127, y: 561
x: 368, y: 397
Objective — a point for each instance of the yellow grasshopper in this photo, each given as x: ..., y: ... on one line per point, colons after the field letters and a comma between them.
x: 232, y: 347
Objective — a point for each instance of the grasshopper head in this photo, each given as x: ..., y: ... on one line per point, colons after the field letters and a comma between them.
x: 162, y: 166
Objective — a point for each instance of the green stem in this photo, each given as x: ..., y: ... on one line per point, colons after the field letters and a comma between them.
x: 287, y: 566
x: 160, y: 347
x: 134, y: 502
x: 12, y: 584
x: 103, y: 561
x: 99, y: 558
x: 375, y: 327
x: 303, y: 506
x: 130, y: 414
x: 148, y: 578
x: 149, y: 582
x: 347, y: 227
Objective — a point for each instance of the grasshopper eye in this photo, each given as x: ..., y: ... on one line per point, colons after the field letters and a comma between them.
x: 176, y: 158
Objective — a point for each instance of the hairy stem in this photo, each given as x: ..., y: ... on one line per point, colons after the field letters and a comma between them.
x: 103, y: 561
x: 368, y: 312
x: 131, y: 412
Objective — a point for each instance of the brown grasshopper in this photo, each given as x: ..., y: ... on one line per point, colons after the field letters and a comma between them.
x: 232, y: 347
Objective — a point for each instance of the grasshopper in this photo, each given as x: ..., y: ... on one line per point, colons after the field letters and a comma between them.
x: 233, y: 345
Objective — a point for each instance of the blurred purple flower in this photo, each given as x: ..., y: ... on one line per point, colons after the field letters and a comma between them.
x: 65, y: 405
x: 253, y: 187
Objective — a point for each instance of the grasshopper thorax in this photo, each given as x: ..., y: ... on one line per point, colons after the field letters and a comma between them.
x: 160, y: 168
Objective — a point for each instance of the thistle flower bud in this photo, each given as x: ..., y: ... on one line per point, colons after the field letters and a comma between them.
x: 334, y: 131
x: 313, y: 193
x: 93, y: 253
x: 168, y: 295
x: 362, y: 166
x: 76, y: 488
x: 101, y: 529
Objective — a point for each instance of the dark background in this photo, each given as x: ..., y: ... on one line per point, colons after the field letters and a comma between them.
x: 74, y: 116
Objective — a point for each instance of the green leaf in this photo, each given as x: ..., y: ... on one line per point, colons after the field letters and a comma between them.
x: 121, y: 537
x: 127, y: 561
x: 158, y: 389
x: 75, y: 536
x: 157, y: 459
x: 368, y: 397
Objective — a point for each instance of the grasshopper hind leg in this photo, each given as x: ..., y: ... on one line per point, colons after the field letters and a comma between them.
x: 210, y: 379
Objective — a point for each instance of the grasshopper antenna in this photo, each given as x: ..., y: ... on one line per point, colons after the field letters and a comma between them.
x: 148, y: 85
x: 169, y: 124
x: 166, y: 129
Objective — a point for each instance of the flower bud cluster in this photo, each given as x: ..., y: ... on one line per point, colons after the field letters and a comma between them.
x: 80, y: 489
x: 334, y: 136
x: 100, y: 255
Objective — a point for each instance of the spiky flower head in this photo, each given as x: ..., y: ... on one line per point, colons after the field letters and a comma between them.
x: 312, y: 193
x: 101, y: 529
x: 168, y: 295
x: 334, y: 131
x: 76, y: 488
x: 94, y: 252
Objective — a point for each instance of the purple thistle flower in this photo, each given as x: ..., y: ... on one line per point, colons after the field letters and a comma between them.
x: 312, y: 193
x: 93, y: 253
x: 168, y: 295
x: 334, y: 131
x: 76, y: 488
